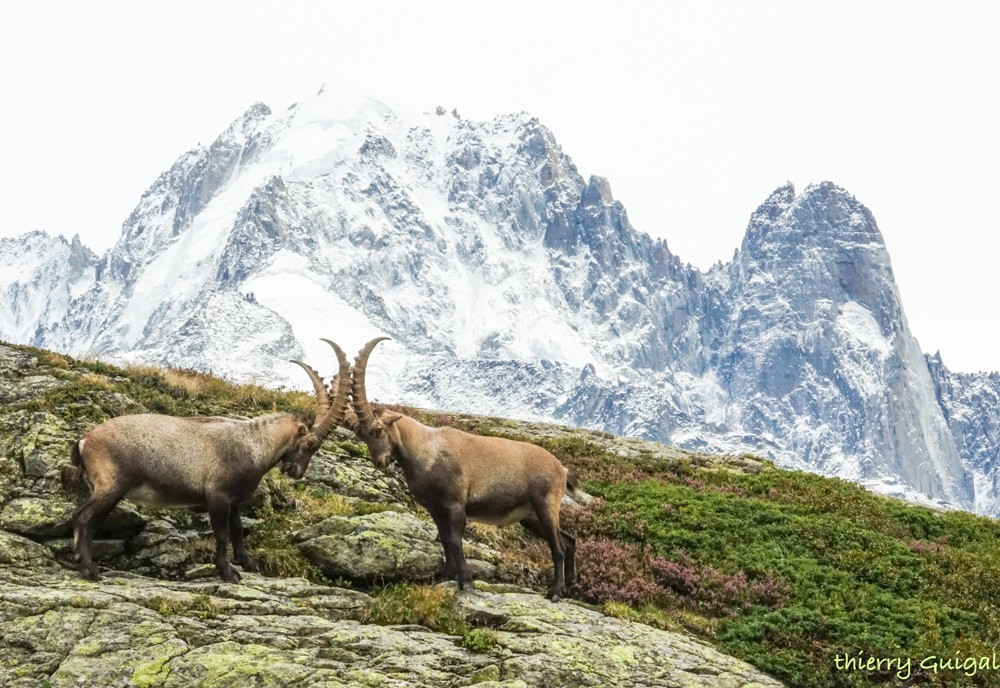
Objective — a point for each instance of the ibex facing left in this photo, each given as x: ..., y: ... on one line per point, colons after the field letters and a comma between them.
x: 166, y: 461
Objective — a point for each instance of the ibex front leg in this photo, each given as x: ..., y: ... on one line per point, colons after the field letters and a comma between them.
x: 218, y: 511
x: 451, y: 527
x: 240, y: 554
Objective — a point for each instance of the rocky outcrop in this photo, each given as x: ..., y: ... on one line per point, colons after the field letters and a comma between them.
x: 387, y: 546
x: 16, y: 550
x: 131, y: 631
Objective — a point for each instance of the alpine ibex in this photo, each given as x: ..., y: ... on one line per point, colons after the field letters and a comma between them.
x: 458, y: 477
x: 166, y: 461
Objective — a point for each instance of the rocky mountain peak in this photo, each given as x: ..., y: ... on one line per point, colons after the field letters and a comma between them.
x: 597, y: 191
x: 513, y: 286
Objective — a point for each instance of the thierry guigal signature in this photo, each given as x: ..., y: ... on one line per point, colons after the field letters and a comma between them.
x: 905, y: 666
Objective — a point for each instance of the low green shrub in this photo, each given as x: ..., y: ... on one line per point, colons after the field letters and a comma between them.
x: 863, y: 573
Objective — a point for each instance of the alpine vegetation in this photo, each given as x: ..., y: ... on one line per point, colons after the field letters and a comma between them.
x: 460, y: 477
x: 214, y: 462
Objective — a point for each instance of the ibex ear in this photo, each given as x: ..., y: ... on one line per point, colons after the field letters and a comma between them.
x: 390, y: 417
x: 302, y: 430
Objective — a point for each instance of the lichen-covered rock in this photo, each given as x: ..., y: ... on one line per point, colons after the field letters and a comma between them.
x: 102, y: 551
x: 52, y: 517
x: 15, y: 549
x: 22, y: 380
x: 131, y: 631
x: 33, y: 501
x: 386, y: 546
x: 44, y: 444
x: 584, y: 647
x: 353, y: 476
x: 162, y: 550
x: 11, y: 473
x: 39, y: 516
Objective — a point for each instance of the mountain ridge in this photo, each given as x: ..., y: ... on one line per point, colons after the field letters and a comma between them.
x: 513, y: 286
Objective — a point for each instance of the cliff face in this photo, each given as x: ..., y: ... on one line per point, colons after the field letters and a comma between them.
x: 513, y: 286
x: 818, y: 351
x: 970, y: 402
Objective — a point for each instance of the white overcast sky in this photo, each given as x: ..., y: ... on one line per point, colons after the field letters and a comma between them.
x: 694, y: 112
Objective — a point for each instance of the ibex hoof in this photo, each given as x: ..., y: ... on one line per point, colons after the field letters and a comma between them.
x: 90, y: 573
x: 249, y: 566
x: 556, y: 593
x: 229, y: 574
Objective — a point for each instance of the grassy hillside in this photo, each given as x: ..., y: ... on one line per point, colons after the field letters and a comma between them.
x: 790, y: 571
x: 787, y: 570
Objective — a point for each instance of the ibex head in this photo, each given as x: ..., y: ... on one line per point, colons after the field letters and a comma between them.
x: 329, y: 415
x: 374, y: 430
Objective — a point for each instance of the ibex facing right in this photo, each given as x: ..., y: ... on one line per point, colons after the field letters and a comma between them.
x: 165, y: 461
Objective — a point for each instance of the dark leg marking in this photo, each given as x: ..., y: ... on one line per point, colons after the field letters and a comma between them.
x: 569, y: 546
x: 240, y: 554
x: 86, y: 519
x: 546, y: 527
x: 218, y: 514
x: 441, y: 521
x: 452, y: 539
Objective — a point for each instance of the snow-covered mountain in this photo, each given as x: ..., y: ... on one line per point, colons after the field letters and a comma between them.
x: 513, y: 286
x: 39, y: 278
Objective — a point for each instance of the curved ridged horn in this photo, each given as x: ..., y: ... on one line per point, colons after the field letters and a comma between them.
x: 358, y: 394
x: 350, y: 420
x: 340, y: 397
x: 322, y: 400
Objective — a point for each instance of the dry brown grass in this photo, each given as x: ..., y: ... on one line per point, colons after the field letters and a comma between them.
x: 94, y: 381
x: 205, y: 386
x: 202, y: 547
x: 89, y: 357
x: 316, y: 506
x: 197, y: 384
x: 53, y: 360
x: 407, y: 603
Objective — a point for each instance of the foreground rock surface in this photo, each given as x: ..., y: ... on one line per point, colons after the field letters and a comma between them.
x: 57, y: 630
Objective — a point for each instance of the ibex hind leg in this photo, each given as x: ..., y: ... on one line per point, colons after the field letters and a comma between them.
x: 85, y: 521
x: 546, y: 526
x: 569, y: 547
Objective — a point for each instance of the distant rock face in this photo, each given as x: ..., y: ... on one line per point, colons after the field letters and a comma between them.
x: 513, y: 286
x: 818, y: 353
x: 39, y: 278
x: 971, y: 405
